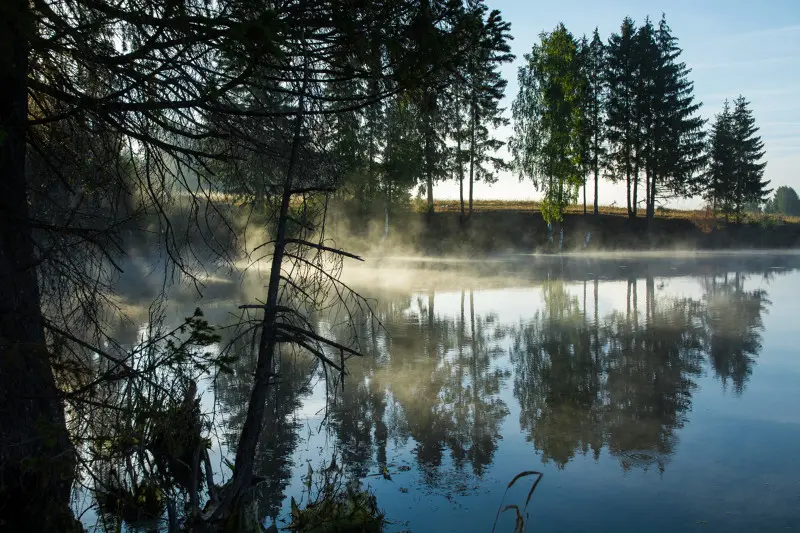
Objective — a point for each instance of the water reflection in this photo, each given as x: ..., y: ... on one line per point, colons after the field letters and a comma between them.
x: 280, y: 435
x: 428, y: 378
x: 734, y: 326
x: 591, y: 367
x: 585, y: 380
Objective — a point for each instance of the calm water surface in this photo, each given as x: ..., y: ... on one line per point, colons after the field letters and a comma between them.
x: 658, y: 394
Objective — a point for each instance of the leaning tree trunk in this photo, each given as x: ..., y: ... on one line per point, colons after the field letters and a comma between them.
x: 254, y: 420
x: 36, y: 456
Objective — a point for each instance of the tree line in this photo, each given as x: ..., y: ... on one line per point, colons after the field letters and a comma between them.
x: 625, y: 110
x: 443, y: 129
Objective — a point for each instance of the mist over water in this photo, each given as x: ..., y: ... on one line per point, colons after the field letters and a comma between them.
x: 655, y: 392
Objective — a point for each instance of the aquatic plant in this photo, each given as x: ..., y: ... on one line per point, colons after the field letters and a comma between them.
x: 521, y: 515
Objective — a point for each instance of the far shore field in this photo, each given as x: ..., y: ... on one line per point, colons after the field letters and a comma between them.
x: 498, y: 226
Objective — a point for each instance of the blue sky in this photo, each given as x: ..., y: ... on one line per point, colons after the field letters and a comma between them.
x: 733, y: 47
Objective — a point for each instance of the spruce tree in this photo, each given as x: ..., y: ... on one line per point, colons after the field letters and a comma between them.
x: 721, y: 161
x: 677, y: 143
x: 401, y: 158
x: 735, y: 176
x: 621, y: 123
x: 648, y: 97
x: 593, y: 64
x: 748, y: 153
x: 486, y: 89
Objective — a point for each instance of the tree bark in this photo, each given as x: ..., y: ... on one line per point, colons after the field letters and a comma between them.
x: 460, y: 175
x: 473, y: 119
x: 653, y: 196
x: 429, y: 148
x: 458, y: 154
x: 584, y: 194
x: 628, y: 184
x: 635, y: 191
x: 36, y: 457
x: 596, y: 186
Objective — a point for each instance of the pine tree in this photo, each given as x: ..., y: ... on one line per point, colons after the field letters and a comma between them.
x: 486, y: 88
x: 621, y: 123
x: 677, y: 139
x: 721, y: 162
x: 648, y: 95
x: 471, y: 102
x: 735, y: 171
x: 593, y: 64
x: 402, y: 162
x: 748, y: 153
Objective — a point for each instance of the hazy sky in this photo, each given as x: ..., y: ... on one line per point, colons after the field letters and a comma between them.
x: 733, y: 47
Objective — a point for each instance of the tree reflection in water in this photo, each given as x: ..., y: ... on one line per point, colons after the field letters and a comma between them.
x: 624, y: 380
x: 589, y: 378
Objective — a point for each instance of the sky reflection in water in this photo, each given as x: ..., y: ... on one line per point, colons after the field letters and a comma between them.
x: 655, y: 394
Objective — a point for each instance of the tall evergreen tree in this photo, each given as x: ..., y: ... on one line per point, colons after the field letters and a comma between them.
x: 748, y: 153
x: 546, y: 112
x: 433, y: 26
x: 593, y: 64
x: 486, y: 87
x: 621, y: 123
x: 677, y: 138
x: 735, y: 176
x: 721, y: 161
x: 402, y: 162
x: 647, y: 101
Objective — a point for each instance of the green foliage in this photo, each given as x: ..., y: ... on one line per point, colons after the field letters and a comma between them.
x: 621, y: 110
x: 676, y: 139
x: 593, y: 129
x: 784, y: 202
x: 477, y: 88
x: 652, y: 120
x: 547, y: 121
x: 735, y: 173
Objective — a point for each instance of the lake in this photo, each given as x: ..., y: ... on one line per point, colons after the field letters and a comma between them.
x: 653, y: 392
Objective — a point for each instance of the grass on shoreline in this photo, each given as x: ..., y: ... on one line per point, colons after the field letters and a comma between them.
x: 698, y: 215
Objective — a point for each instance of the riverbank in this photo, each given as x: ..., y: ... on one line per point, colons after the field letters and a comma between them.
x: 497, y: 229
